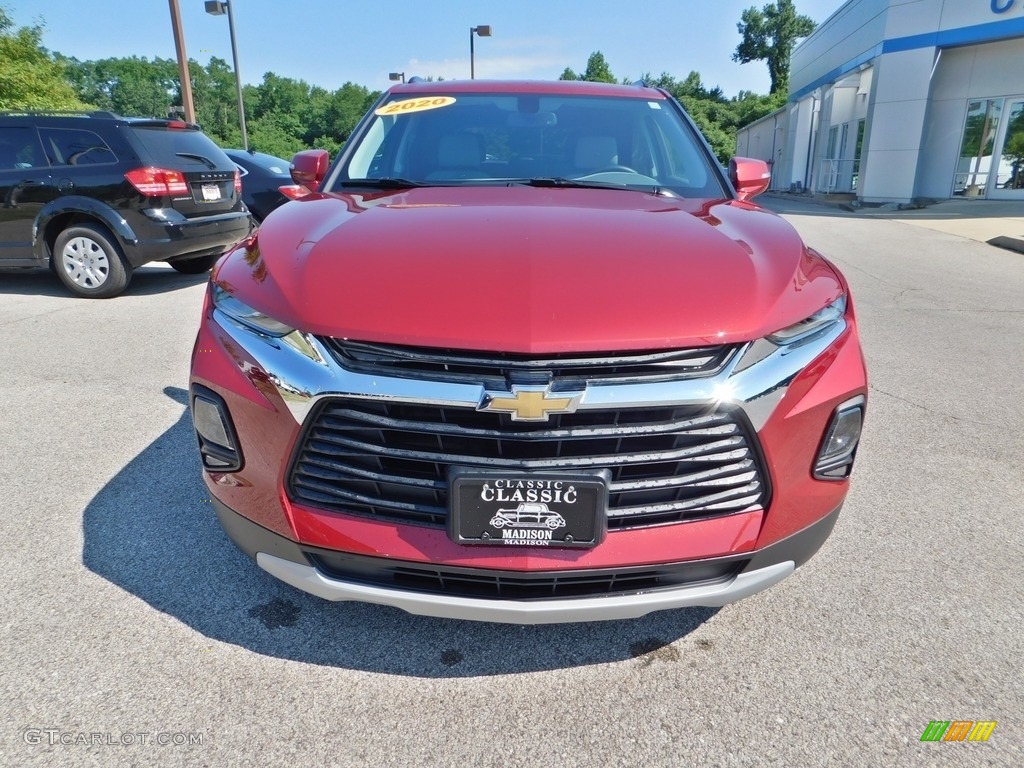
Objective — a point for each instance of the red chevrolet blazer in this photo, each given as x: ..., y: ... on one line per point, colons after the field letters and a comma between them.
x: 524, y: 295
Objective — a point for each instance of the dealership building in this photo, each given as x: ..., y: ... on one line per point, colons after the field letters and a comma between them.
x: 902, y: 100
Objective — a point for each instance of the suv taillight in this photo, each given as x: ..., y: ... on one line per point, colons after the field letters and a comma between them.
x: 238, y: 183
x: 157, y: 182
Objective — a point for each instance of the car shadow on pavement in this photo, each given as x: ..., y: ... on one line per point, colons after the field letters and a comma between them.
x: 152, y: 531
x: 146, y: 281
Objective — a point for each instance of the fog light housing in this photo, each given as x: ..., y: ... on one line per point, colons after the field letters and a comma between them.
x: 838, y: 449
x: 218, y: 441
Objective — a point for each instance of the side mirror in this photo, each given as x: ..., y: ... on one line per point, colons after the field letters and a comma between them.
x: 309, y: 167
x: 750, y: 177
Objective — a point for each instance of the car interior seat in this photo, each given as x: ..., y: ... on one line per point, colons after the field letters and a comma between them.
x: 459, y: 156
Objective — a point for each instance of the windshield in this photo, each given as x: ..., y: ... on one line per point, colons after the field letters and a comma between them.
x: 544, y: 139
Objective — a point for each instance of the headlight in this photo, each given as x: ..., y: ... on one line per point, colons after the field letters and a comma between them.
x: 243, y: 313
x: 819, y: 321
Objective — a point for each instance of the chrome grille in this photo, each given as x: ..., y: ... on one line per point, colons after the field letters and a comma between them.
x: 390, y: 460
x: 495, y: 368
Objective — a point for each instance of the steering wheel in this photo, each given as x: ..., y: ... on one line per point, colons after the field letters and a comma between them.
x: 616, y: 169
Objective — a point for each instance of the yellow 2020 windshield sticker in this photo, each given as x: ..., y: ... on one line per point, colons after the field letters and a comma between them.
x: 408, y: 106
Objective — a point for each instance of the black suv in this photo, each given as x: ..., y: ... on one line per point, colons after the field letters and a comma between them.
x: 94, y: 195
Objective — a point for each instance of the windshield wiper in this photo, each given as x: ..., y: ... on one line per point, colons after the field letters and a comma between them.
x: 562, y: 181
x: 201, y: 158
x: 386, y: 182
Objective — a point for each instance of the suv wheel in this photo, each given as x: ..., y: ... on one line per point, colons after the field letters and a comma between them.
x: 89, y: 262
x: 195, y: 266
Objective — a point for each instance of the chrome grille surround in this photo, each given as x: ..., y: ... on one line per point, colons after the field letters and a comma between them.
x: 495, y: 368
x: 750, y: 385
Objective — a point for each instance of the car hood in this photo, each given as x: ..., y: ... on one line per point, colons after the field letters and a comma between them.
x: 535, y: 270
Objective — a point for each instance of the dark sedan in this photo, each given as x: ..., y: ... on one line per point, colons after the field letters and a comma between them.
x: 262, y: 174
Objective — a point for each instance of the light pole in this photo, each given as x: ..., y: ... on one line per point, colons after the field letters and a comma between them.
x: 179, y: 47
x: 217, y: 8
x: 396, y: 76
x: 484, y: 30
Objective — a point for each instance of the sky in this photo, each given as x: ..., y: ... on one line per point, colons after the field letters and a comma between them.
x: 330, y: 42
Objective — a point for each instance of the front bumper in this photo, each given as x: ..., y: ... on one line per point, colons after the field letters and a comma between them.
x: 748, y: 574
x: 270, y: 386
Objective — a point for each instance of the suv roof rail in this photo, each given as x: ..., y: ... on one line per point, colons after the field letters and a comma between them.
x: 60, y: 113
x: 100, y: 114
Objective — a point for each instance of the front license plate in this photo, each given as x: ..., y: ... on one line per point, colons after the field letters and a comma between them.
x: 526, y: 509
x: 211, y: 192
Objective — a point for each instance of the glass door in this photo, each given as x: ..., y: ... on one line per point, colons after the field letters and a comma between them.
x: 1008, y: 171
x: 975, y: 162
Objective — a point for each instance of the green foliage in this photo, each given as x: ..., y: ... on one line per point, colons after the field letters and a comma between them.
x: 1014, y: 151
x: 283, y: 116
x: 980, y: 123
x: 216, y: 102
x: 769, y: 35
x: 597, y: 70
x: 30, y: 78
x: 717, y: 116
x: 134, y: 86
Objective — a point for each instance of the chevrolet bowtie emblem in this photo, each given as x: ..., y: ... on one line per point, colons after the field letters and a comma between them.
x: 530, y: 403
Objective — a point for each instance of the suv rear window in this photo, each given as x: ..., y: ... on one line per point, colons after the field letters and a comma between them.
x: 179, y: 147
x: 74, y: 147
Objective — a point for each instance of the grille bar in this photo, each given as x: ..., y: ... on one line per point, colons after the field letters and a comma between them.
x: 467, y: 365
x: 511, y: 585
x: 388, y: 460
x: 348, y: 419
x: 698, y: 452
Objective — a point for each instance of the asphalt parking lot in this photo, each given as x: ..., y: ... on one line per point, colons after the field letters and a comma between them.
x: 128, y: 615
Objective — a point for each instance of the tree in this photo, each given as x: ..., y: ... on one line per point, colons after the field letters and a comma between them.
x: 30, y: 78
x: 216, y: 100
x: 597, y: 70
x: 769, y: 35
x: 130, y: 86
x: 1014, y: 152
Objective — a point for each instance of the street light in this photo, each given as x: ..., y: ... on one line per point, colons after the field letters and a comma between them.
x: 396, y: 76
x: 217, y: 8
x: 484, y: 30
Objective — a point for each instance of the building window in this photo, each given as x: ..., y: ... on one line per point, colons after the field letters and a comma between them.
x: 857, y: 150
x: 980, y: 127
x: 1010, y: 169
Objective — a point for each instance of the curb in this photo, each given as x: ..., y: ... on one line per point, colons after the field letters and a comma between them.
x: 1009, y: 243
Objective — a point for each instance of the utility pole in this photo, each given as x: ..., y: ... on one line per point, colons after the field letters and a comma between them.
x: 179, y: 47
